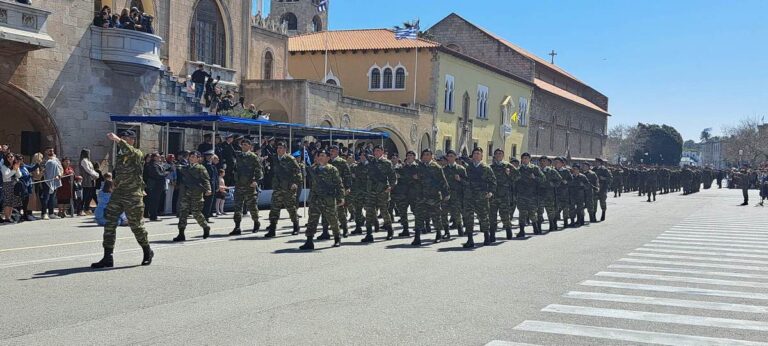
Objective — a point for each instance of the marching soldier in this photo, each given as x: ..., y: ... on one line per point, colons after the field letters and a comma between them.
x: 285, y: 186
x: 530, y: 176
x: 500, y: 204
x: 382, y: 178
x: 563, y: 191
x: 456, y: 175
x: 327, y: 194
x: 547, y: 191
x: 617, y: 184
x: 591, y: 194
x: 247, y: 173
x: 346, y: 180
x: 359, y: 191
x: 197, y: 184
x: 434, y: 190
x: 578, y: 186
x: 605, y: 178
x: 479, y: 191
x: 406, y: 192
x: 652, y: 182
x: 128, y: 197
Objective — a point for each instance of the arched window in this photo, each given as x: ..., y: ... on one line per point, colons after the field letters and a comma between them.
x: 291, y: 21
x: 268, y: 59
x: 448, y: 93
x: 208, y: 35
x: 400, y: 78
x: 138, y: 4
x: 387, y: 78
x: 375, y: 78
x: 317, y: 24
x: 331, y: 82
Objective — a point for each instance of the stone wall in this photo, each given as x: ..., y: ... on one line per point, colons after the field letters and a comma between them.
x: 263, y: 40
x: 578, y: 130
x: 305, y: 11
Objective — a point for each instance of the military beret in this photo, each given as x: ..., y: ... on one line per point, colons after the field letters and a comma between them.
x: 426, y: 151
x: 450, y: 152
x: 194, y: 153
x: 587, y: 164
x: 544, y: 157
x: 378, y: 147
x: 410, y: 152
x: 559, y: 159
x: 576, y: 165
x: 525, y: 154
x: 514, y: 159
x: 128, y: 133
x: 334, y: 147
x: 209, y: 152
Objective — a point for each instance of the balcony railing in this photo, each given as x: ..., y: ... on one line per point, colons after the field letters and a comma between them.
x: 126, y: 51
x: 227, y: 75
x: 22, y: 28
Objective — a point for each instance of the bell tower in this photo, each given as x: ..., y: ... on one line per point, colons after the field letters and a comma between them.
x: 300, y: 16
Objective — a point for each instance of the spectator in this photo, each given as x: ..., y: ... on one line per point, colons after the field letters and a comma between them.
x: 38, y: 173
x: 226, y: 103
x: 11, y: 175
x: 155, y: 183
x: 207, y: 143
x: 64, y: 194
x: 210, y: 92
x: 53, y: 172
x: 221, y: 194
x: 103, y: 20
x: 170, y: 181
x: 126, y: 22
x: 136, y: 18
x: 199, y: 78
x: 251, y: 112
x: 26, y: 181
x: 88, y: 173
x: 77, y: 195
x: 116, y: 21
x: 146, y: 23
x: 25, y: 2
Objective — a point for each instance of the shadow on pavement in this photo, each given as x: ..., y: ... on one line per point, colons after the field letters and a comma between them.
x: 69, y: 271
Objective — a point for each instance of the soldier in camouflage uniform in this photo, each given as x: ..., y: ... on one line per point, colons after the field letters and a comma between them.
x: 617, y: 184
x: 434, y: 189
x: 605, y: 179
x: 327, y: 194
x: 591, y: 195
x: 547, y: 191
x: 527, y: 202
x: 652, y: 183
x: 500, y: 204
x: 563, y: 191
x: 197, y: 184
x: 686, y: 178
x: 381, y: 177
x: 664, y: 180
x: 479, y: 191
x: 128, y: 197
x: 706, y: 177
x: 578, y: 186
x: 285, y: 185
x: 359, y: 191
x: 246, y: 175
x: 406, y: 192
x: 456, y: 175
x: 346, y: 178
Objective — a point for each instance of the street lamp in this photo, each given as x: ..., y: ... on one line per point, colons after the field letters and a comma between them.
x: 741, y: 152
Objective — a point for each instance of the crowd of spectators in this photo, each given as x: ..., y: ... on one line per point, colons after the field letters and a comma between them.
x: 132, y: 19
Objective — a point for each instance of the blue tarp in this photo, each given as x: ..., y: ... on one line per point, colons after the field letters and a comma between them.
x: 243, y: 125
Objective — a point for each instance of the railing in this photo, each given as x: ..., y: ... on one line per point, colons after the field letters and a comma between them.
x: 126, y: 51
x: 227, y: 75
x: 23, y: 28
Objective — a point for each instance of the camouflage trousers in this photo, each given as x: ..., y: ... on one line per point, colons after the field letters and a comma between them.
x: 453, y: 207
x: 577, y: 204
x: 548, y: 203
x: 500, y: 207
x: 512, y: 205
x: 375, y: 202
x: 133, y: 206
x: 528, y: 206
x: 428, y: 208
x: 341, y: 214
x: 602, y: 197
x: 563, y: 204
x: 590, y: 201
x: 191, y: 203
x: 245, y: 195
x: 325, y: 207
x: 283, y: 199
x: 476, y: 205
x: 358, y: 203
x: 402, y: 201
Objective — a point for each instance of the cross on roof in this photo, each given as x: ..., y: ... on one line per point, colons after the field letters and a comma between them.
x: 552, y: 54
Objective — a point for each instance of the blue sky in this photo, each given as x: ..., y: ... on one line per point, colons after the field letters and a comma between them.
x: 685, y: 63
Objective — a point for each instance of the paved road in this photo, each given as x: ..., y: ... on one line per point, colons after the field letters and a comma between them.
x: 684, y: 270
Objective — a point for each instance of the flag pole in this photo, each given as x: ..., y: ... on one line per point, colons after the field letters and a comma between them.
x: 325, y: 69
x: 415, y: 78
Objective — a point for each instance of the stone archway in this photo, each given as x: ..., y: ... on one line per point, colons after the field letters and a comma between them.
x: 276, y: 111
x: 425, y: 143
x: 30, y: 122
x: 394, y: 144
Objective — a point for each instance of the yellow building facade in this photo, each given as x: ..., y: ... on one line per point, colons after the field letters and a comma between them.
x: 479, y: 105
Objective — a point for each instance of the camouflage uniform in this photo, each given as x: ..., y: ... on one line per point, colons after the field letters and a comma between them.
x: 686, y: 178
x: 358, y: 194
x: 128, y: 196
x: 346, y: 180
x: 287, y: 172
x: 664, y: 180
x: 433, y: 188
x: 617, y: 184
x: 578, y: 186
x: 527, y: 202
x: 652, y: 183
x: 547, y: 195
x: 327, y: 190
x: 455, y: 205
x: 500, y: 203
x: 481, y: 182
x: 247, y: 171
x: 197, y: 183
x: 592, y: 194
x: 381, y: 177
x: 605, y: 178
x: 706, y: 177
x: 564, y: 194
x: 404, y: 194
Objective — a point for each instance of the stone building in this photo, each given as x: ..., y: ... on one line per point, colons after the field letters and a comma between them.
x: 61, y: 77
x: 300, y: 16
x: 568, y: 117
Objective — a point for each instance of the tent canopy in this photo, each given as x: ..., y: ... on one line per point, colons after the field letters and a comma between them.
x: 243, y: 126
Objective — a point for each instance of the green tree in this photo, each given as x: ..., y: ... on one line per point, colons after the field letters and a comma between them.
x: 658, y: 144
x: 706, y: 134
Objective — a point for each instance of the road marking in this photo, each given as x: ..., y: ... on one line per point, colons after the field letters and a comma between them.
x: 730, y: 235
x: 683, y: 247
x: 676, y: 289
x: 710, y: 244
x: 711, y: 253
x: 693, y: 304
x: 683, y: 279
x: 695, y: 264
x: 714, y: 259
x: 630, y: 335
x: 688, y: 271
x: 507, y: 343
x: 690, y: 320
x: 718, y: 229
x: 698, y: 238
x: 712, y: 236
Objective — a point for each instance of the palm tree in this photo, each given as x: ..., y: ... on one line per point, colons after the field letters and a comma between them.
x: 706, y: 134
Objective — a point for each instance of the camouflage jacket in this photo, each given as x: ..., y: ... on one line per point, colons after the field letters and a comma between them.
x: 196, y: 179
x: 551, y: 181
x: 129, y: 166
x: 432, y: 180
x: 530, y: 176
x: 593, y: 180
x: 450, y: 171
x: 286, y: 172
x: 359, y: 174
x: 481, y: 178
x: 381, y: 175
x: 565, y: 180
x: 406, y: 185
x: 326, y: 182
x: 580, y: 184
x: 505, y: 173
x: 248, y: 169
x: 344, y: 171
x: 604, y: 176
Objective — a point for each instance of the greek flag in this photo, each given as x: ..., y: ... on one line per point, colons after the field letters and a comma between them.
x: 322, y: 6
x: 411, y: 33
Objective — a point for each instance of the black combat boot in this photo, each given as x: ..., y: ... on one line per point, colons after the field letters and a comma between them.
x: 344, y: 230
x: 536, y: 228
x: 580, y: 219
x: 602, y: 215
x: 446, y: 232
x: 509, y: 233
x: 336, y: 241
x: 521, y: 234
x: 470, y: 241
x: 273, y: 226
x: 593, y: 218
x: 206, y: 232
x: 552, y: 225
x: 438, y: 236
x: 487, y: 238
x: 358, y: 230
x: 390, y: 232
x: 368, y: 235
x: 308, y: 245
x: 325, y: 235
x: 148, y: 255
x: 427, y: 227
x: 295, y: 229
x: 492, y: 236
x: 237, y: 230
x: 376, y: 225
x: 180, y: 237
x: 405, y: 232
x: 494, y: 227
x: 106, y: 262
x: 256, y: 227
x: 416, y: 238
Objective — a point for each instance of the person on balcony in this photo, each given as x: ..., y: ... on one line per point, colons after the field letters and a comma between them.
x: 126, y: 21
x: 103, y: 20
x: 198, y: 78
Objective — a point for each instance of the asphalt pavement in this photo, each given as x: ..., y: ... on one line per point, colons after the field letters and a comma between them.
x: 685, y: 270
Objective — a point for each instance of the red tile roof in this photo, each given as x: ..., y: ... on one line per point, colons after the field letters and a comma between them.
x: 567, y: 95
x: 366, y: 39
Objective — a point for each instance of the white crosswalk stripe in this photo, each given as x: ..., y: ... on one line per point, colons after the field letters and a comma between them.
x: 709, y: 273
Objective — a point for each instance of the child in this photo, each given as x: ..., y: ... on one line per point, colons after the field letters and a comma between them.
x: 77, y: 189
x: 221, y: 195
x: 104, y: 194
